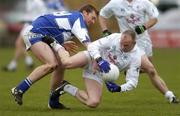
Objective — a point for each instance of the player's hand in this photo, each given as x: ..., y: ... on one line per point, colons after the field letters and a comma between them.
x: 103, y: 65
x: 113, y: 87
x: 140, y: 29
x: 106, y: 33
x: 71, y: 47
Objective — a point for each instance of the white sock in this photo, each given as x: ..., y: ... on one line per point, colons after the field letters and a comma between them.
x: 28, y: 60
x: 169, y: 95
x: 56, y: 46
x: 12, y: 65
x: 71, y: 89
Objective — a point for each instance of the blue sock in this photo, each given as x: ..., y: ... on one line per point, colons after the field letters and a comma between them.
x: 25, y: 85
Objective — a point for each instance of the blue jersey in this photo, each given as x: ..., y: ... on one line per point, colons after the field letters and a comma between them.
x: 62, y: 26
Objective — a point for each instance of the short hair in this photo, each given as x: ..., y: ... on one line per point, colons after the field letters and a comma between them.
x: 89, y: 8
x: 131, y: 33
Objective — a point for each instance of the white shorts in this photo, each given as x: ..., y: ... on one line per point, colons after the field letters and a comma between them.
x: 88, y: 72
x: 24, y: 29
x: 29, y: 37
x: 146, y: 45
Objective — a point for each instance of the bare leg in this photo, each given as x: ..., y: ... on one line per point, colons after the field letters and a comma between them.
x: 153, y: 75
x: 156, y: 80
x: 19, y: 52
x: 90, y: 97
x: 57, y: 76
x: 76, y: 61
x: 44, y: 53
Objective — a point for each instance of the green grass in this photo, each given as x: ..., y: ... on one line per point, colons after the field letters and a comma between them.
x: 145, y: 100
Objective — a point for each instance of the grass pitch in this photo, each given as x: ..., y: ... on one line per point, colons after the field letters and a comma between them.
x: 145, y: 100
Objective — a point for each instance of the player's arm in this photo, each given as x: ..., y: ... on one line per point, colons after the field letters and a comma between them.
x: 103, y: 24
x: 132, y: 75
x: 105, y: 13
x: 94, y: 51
x: 151, y: 23
x: 79, y: 29
x: 152, y: 13
x: 131, y: 82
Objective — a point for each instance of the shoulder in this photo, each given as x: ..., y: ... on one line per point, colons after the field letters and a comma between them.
x: 115, y: 35
x: 136, y: 54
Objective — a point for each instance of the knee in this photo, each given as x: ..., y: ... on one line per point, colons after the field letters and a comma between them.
x: 50, y: 67
x: 93, y: 103
x: 67, y: 63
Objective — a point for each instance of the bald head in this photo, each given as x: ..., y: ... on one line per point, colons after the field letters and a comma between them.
x: 128, y: 40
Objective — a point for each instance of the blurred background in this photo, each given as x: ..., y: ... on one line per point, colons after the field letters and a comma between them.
x: 165, y: 34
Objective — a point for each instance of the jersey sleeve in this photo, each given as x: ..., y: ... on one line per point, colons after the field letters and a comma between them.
x: 132, y: 75
x: 107, y: 11
x: 95, y: 47
x: 79, y: 29
x: 151, y: 9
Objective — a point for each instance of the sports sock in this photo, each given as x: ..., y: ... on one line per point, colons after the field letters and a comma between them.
x: 169, y: 95
x: 12, y: 65
x: 71, y: 89
x: 25, y: 85
x: 28, y: 60
x: 56, y: 46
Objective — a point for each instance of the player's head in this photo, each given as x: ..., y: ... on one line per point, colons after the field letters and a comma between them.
x: 90, y: 14
x: 128, y: 40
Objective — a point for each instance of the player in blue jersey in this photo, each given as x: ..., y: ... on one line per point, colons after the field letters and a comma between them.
x: 62, y: 26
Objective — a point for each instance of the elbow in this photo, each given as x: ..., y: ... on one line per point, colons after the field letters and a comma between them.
x: 155, y: 20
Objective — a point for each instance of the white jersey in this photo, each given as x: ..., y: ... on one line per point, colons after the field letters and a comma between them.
x: 131, y: 14
x: 109, y: 49
x: 33, y: 9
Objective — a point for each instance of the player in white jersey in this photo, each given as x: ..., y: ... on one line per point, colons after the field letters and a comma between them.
x: 120, y: 49
x: 138, y: 15
x: 62, y: 26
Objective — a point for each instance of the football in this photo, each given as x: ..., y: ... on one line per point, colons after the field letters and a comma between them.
x: 112, y: 75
